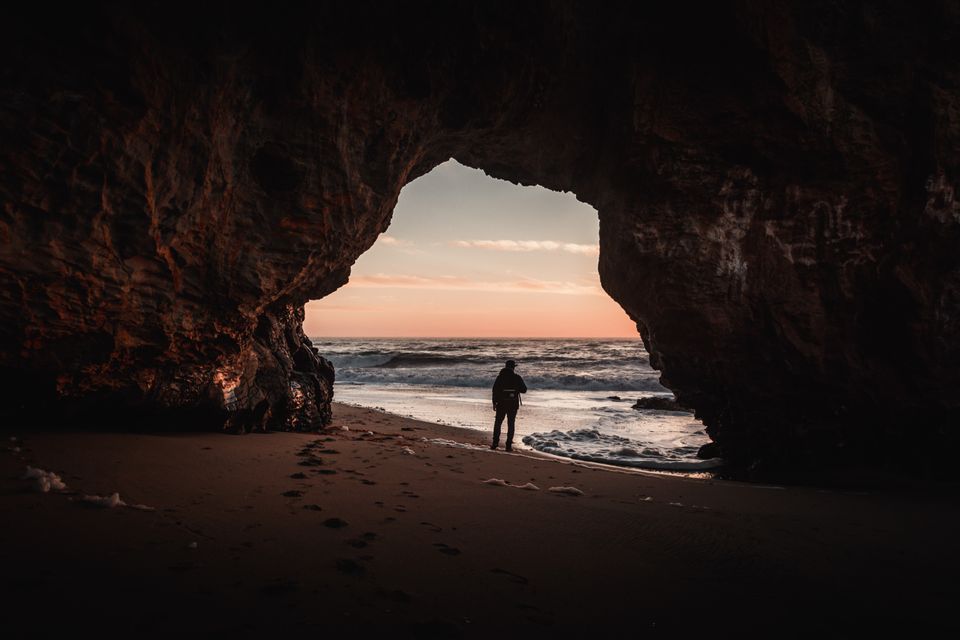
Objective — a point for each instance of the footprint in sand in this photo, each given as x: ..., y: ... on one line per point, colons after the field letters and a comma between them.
x: 293, y: 493
x: 434, y: 528
x: 313, y: 507
x: 447, y: 549
x: 514, y: 577
x: 335, y: 523
x: 365, y: 481
x: 350, y: 567
x: 299, y: 476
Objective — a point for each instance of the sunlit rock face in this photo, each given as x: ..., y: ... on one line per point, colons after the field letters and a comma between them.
x: 777, y: 188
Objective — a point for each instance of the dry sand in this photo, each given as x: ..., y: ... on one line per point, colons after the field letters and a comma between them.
x: 376, y: 527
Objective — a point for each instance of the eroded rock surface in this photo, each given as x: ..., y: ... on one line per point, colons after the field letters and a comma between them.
x: 777, y: 187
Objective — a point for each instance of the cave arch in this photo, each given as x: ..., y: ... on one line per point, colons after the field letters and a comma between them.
x: 473, y: 271
x: 172, y: 198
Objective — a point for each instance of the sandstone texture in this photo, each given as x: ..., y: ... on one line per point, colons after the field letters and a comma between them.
x: 777, y: 186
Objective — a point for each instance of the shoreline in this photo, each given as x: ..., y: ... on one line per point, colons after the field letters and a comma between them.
x: 346, y: 529
x: 858, y: 478
x: 519, y: 448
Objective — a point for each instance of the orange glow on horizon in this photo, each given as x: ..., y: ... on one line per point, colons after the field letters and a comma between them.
x: 459, y: 314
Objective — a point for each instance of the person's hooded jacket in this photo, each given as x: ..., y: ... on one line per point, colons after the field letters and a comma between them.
x: 507, y: 389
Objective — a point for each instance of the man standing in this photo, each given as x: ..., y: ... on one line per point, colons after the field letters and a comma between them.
x: 506, y: 401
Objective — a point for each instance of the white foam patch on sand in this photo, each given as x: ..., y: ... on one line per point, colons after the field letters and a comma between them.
x: 443, y: 442
x: 409, y: 451
x: 108, y: 502
x: 45, y: 480
x: 592, y: 446
x: 498, y: 482
x: 570, y: 491
x: 113, y: 500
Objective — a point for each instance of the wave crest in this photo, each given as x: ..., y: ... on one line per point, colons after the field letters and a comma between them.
x: 405, y: 360
x: 592, y: 446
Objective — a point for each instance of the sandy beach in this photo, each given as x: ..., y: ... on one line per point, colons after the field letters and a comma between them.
x: 387, y: 522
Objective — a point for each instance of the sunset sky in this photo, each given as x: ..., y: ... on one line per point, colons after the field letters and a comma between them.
x: 470, y: 256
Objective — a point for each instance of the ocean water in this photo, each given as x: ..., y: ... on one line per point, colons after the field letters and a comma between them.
x: 579, y: 403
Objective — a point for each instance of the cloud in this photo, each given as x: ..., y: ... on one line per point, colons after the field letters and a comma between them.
x: 455, y: 283
x: 529, y: 245
x: 390, y: 241
x: 325, y: 305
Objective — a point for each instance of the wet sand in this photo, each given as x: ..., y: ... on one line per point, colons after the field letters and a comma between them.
x: 376, y: 527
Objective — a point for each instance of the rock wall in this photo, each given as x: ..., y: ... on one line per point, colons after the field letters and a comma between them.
x: 776, y: 185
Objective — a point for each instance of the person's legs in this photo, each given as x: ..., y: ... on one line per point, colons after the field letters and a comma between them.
x: 497, y: 423
x: 511, y: 423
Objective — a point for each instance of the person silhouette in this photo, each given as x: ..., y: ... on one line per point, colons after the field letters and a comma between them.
x: 506, y: 401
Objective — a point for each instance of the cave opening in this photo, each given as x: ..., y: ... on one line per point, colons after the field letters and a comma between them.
x: 474, y: 271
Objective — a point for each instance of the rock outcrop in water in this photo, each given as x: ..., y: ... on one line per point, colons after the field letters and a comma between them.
x: 657, y: 403
x: 777, y: 187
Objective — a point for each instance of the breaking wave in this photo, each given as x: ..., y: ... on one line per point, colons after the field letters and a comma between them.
x: 405, y: 360
x: 593, y: 446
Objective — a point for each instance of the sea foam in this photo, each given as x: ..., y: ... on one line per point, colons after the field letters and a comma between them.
x: 593, y: 446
